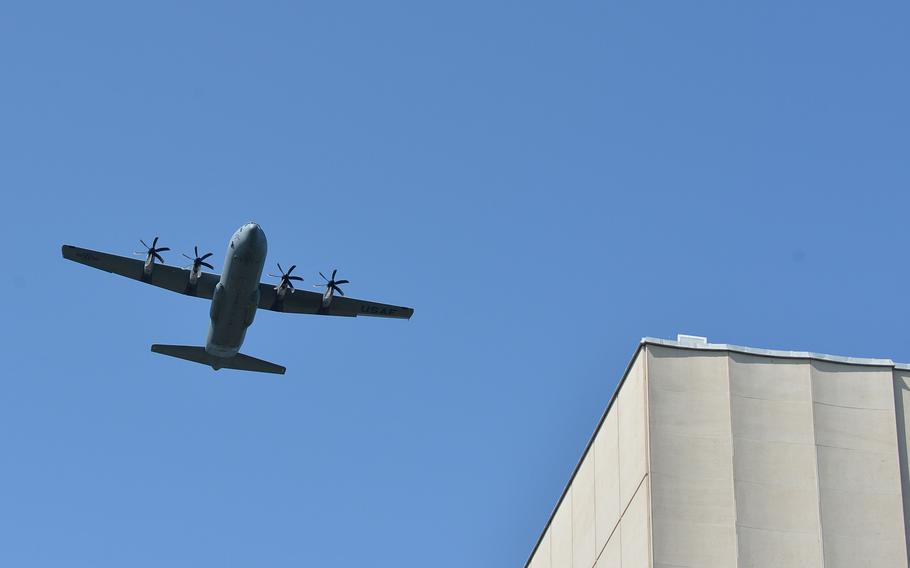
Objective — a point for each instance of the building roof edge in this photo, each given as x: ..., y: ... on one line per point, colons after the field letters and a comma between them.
x: 867, y: 361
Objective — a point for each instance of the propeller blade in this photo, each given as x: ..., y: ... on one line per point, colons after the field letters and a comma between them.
x: 291, y: 269
x: 196, y: 250
x: 162, y: 249
x: 295, y: 278
x: 205, y: 256
x: 143, y: 244
x: 158, y: 256
x: 155, y: 242
x: 188, y: 256
x: 323, y: 277
x: 334, y: 272
x: 289, y: 285
x: 281, y: 270
x: 207, y: 265
x: 339, y: 290
x: 343, y: 282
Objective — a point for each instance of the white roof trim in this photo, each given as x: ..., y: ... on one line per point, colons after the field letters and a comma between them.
x: 776, y: 353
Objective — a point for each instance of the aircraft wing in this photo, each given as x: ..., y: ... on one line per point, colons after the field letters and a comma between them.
x: 307, y: 302
x: 163, y: 276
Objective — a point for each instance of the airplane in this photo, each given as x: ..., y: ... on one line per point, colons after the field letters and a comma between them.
x: 236, y: 295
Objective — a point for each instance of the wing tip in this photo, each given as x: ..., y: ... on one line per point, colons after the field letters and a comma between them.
x: 69, y: 252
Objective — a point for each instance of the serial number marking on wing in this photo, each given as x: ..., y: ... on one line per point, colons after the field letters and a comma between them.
x: 87, y: 256
x: 378, y: 311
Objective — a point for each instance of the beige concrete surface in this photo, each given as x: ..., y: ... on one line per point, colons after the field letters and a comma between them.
x: 692, y: 506
x: 722, y: 456
x: 635, y: 549
x: 858, y: 467
x: 632, y: 432
x: 774, y: 462
x: 606, y: 481
x: 541, y: 558
x: 561, y: 534
x: 583, y: 542
x: 611, y: 556
x: 902, y: 412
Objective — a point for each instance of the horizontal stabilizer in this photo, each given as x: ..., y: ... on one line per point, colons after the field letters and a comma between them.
x: 200, y: 355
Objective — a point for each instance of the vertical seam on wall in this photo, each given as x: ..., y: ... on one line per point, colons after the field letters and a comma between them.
x: 617, y: 530
x: 572, y: 526
x: 729, y: 358
x: 593, y: 467
x: 646, y: 387
x: 896, y: 383
x: 549, y: 552
x: 614, y: 529
x: 818, y: 485
x: 622, y: 508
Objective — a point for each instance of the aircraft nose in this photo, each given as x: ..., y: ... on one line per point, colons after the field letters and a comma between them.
x: 255, y: 232
x: 254, y: 235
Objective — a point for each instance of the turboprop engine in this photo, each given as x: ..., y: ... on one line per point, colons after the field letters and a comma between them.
x: 285, y: 283
x: 331, y: 286
x: 198, y: 262
x: 151, y: 255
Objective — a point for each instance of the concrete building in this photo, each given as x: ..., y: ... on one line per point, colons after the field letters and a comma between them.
x: 716, y: 455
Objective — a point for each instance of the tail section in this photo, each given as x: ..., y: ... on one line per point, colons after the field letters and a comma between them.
x: 200, y: 355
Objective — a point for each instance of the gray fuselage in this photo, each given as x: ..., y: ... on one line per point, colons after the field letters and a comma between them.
x: 236, y: 295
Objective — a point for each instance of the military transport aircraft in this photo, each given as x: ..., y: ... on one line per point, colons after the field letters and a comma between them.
x: 235, y: 295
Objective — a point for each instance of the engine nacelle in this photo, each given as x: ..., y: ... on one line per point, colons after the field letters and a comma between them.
x: 327, y: 297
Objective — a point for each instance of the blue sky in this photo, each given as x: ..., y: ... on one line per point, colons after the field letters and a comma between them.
x: 545, y: 183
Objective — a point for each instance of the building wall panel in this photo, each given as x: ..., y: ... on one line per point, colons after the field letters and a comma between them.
x: 702, y: 545
x: 690, y: 457
x: 591, y: 510
x: 773, y: 420
x: 881, y: 552
x: 853, y: 386
x: 606, y: 480
x: 769, y: 463
x: 861, y: 429
x: 632, y: 434
x: 856, y: 434
x: 777, y: 515
x: 541, y: 558
x: 583, y: 540
x: 610, y: 557
x: 693, y: 510
x: 635, y: 545
x: 761, y: 548
x: 561, y: 534
x: 902, y: 414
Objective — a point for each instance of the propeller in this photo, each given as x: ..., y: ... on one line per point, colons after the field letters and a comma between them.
x: 199, y: 260
x: 152, y: 252
x: 332, y: 284
x: 285, y: 277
